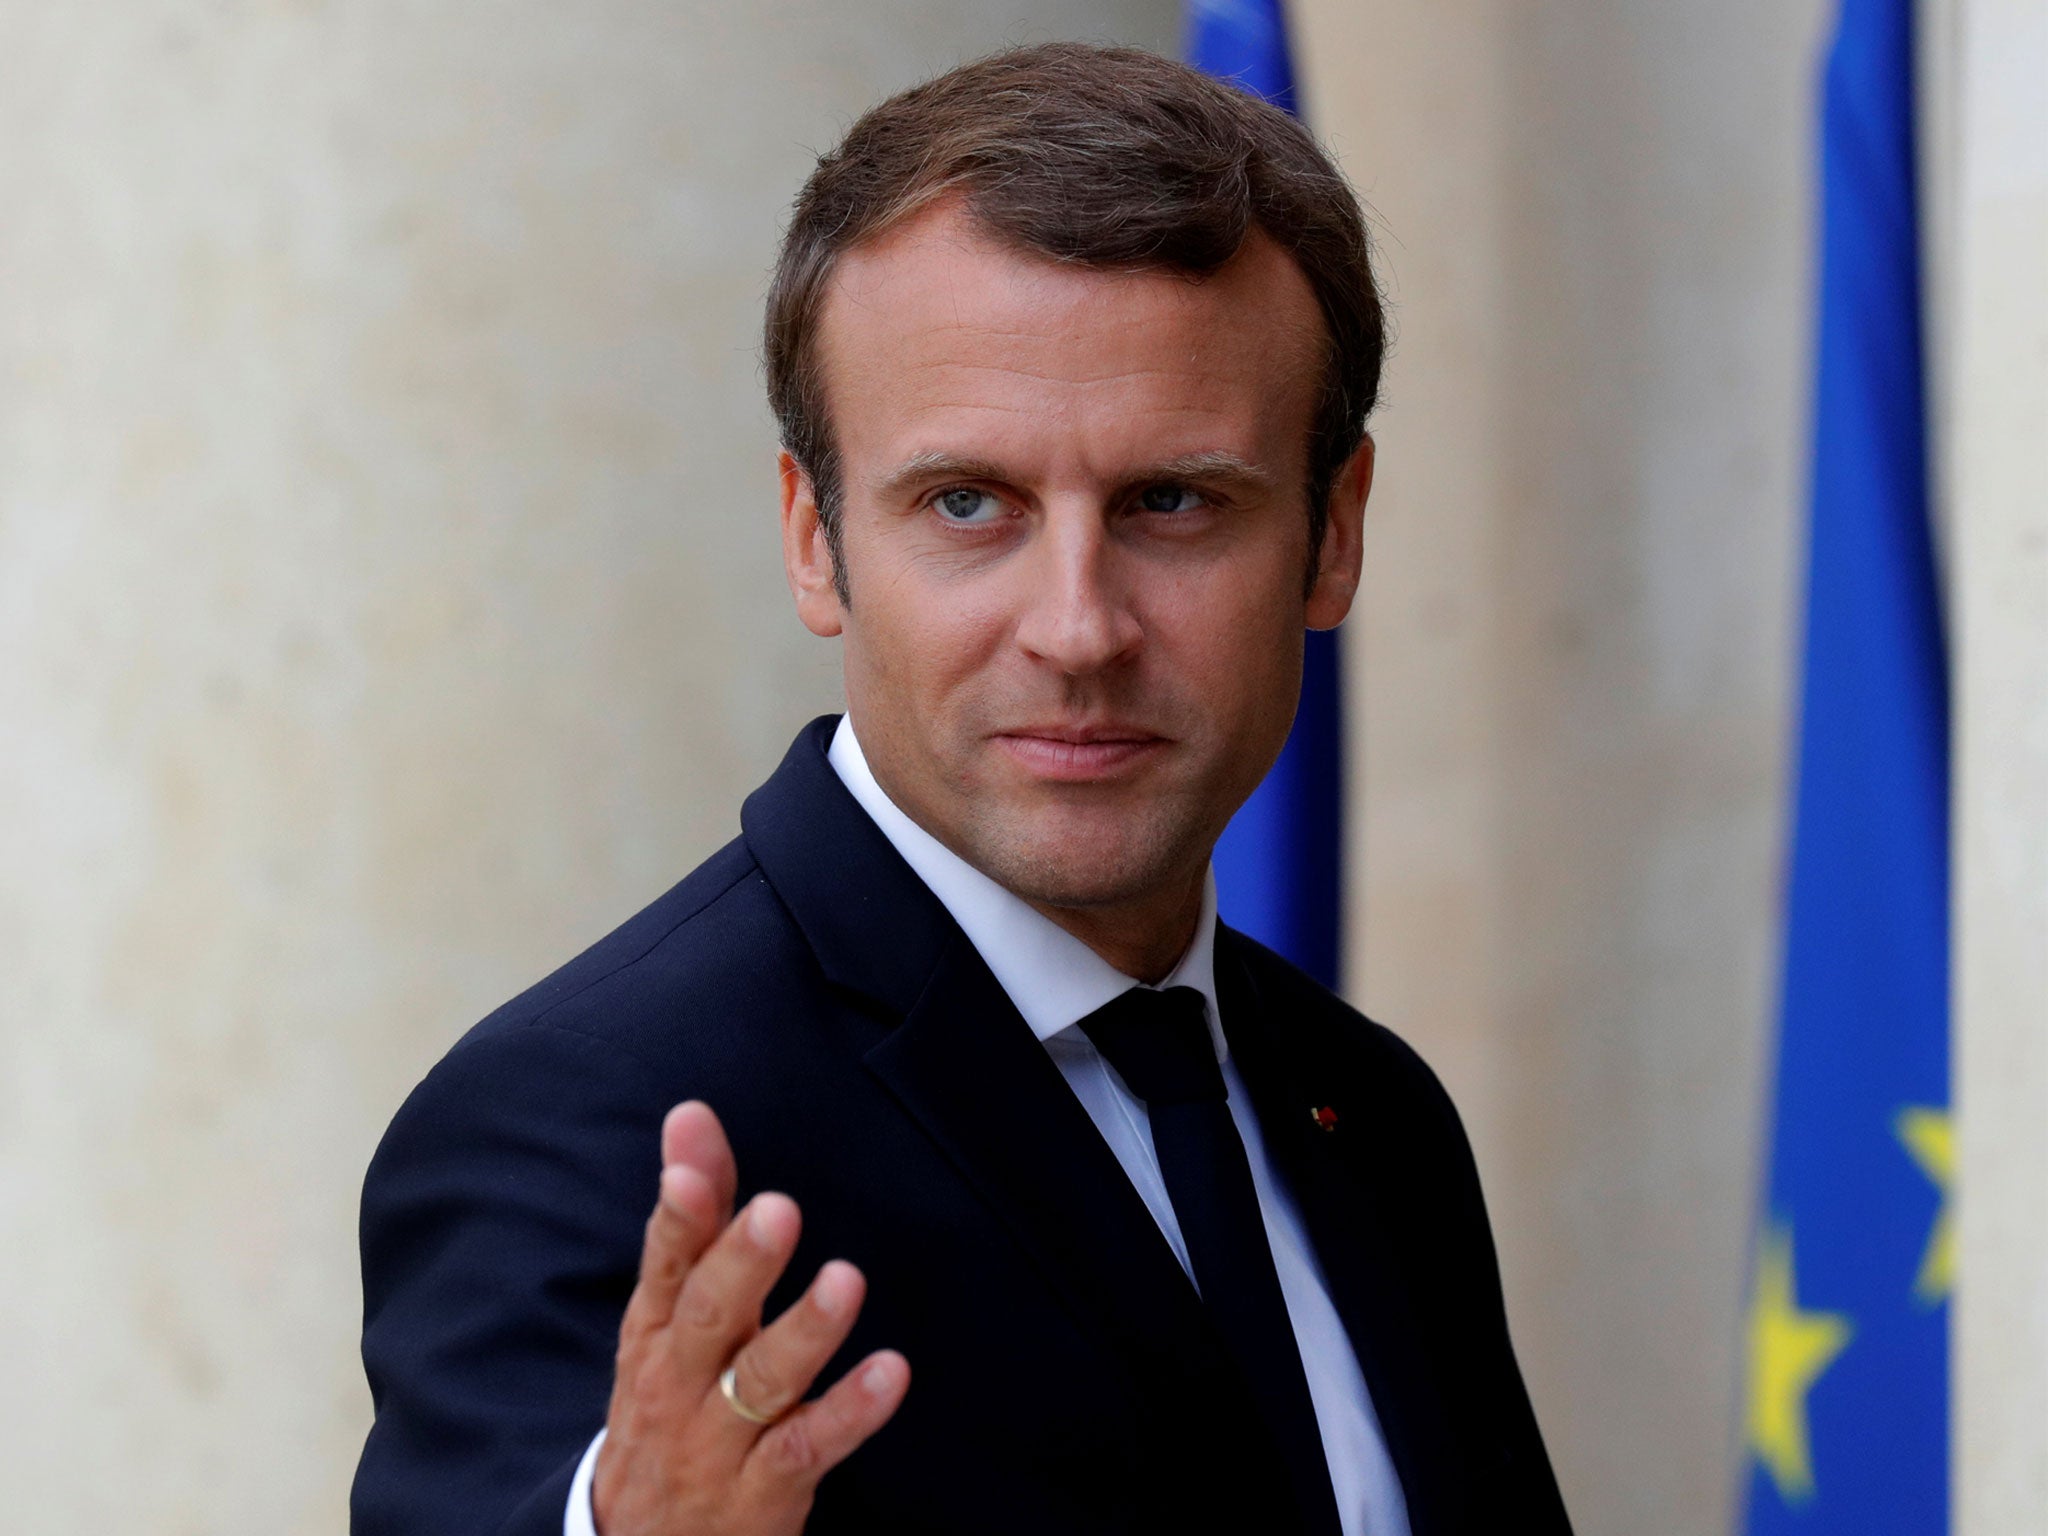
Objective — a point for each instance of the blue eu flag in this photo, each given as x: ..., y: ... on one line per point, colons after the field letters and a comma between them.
x: 1846, y: 1405
x: 1280, y: 863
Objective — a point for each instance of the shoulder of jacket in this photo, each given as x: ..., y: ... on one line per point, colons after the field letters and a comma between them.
x: 714, y: 931
x: 1288, y: 990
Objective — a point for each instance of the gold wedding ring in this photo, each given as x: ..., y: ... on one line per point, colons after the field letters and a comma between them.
x: 728, y: 1386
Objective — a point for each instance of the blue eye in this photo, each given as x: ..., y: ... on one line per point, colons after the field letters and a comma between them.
x: 963, y: 504
x: 1169, y: 498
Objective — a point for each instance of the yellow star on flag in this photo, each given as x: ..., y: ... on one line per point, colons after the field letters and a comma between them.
x: 1926, y: 1135
x: 1788, y: 1350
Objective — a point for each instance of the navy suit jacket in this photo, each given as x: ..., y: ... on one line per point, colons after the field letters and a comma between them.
x: 1065, y: 1379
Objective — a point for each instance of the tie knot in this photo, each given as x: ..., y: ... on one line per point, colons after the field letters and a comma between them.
x: 1159, y: 1043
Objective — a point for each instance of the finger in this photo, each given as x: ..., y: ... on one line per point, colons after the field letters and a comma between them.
x: 684, y: 1222
x: 778, y: 1365
x: 691, y: 1134
x: 695, y: 1203
x: 719, y: 1308
x: 787, y: 1461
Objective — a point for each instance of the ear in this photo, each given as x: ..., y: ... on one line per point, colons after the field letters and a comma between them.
x: 1343, y: 551
x: 806, y: 557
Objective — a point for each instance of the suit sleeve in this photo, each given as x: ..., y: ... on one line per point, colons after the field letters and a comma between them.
x: 1515, y: 1488
x: 501, y: 1225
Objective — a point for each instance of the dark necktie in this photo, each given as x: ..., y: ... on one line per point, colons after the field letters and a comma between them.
x: 1160, y: 1045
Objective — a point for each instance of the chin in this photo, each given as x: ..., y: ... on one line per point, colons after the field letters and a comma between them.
x: 1085, y: 865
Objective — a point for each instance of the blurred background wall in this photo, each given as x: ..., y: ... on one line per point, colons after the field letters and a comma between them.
x: 389, y: 604
x: 1573, y: 662
x: 1992, y: 185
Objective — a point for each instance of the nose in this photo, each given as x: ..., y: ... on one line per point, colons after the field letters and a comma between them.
x: 1076, y: 615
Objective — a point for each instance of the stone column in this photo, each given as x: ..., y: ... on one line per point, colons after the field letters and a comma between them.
x: 390, y: 603
x: 1996, y: 418
x: 1572, y: 660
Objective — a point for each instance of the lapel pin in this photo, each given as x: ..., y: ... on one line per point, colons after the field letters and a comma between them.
x: 1324, y: 1117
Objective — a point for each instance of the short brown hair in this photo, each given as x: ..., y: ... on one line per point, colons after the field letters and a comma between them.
x: 1107, y: 157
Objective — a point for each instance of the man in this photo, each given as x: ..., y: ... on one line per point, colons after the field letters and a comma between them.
x: 1072, y: 351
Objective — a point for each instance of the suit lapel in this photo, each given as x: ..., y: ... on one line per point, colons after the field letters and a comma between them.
x: 963, y: 1063
x: 875, y: 929
x: 1339, y: 1180
x: 968, y: 1069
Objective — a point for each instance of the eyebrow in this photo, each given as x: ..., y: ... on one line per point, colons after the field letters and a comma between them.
x: 1214, y: 468
x: 937, y: 465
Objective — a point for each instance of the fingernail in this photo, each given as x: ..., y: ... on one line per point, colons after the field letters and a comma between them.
x: 875, y: 1379
x: 762, y: 1220
x: 676, y: 1111
x: 675, y: 1186
x: 835, y: 1291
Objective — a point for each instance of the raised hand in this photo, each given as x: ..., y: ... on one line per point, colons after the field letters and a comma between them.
x: 684, y: 1453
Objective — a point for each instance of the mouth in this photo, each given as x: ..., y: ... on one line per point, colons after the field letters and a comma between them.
x: 1077, y: 754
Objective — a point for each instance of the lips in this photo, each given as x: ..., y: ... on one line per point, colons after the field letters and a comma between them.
x: 1080, y: 753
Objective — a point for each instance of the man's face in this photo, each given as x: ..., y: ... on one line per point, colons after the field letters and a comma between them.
x: 1074, y: 533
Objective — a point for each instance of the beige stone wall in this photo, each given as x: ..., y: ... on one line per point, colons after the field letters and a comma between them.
x: 1573, y: 660
x: 389, y: 603
x: 1996, y: 385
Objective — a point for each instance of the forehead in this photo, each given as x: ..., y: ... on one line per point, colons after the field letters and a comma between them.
x: 935, y: 332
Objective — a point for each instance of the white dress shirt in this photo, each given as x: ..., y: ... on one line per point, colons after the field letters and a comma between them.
x: 1055, y: 981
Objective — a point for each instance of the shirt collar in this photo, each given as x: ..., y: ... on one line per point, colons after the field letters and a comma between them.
x: 1054, y: 979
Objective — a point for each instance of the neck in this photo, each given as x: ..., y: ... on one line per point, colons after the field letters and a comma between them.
x: 1144, y: 938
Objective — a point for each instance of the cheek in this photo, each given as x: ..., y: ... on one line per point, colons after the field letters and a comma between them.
x: 1245, y: 678
x: 918, y: 639
x: 1236, y: 637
